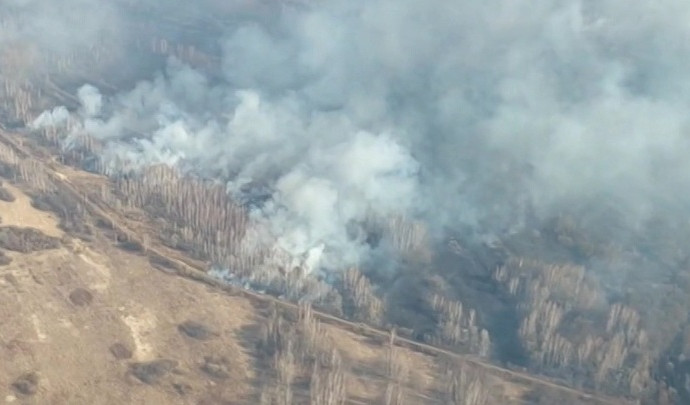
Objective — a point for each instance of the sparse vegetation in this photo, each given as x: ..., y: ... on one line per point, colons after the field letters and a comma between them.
x: 196, y: 330
x: 5, y: 194
x: 300, y: 350
x: 26, y: 239
x: 558, y: 338
x: 27, y: 384
x: 327, y: 384
x: 203, y: 220
x: 465, y: 387
x: 81, y: 297
x: 72, y: 214
x: 217, y: 367
x: 359, y: 301
x: 153, y: 371
x: 120, y: 351
x: 457, y: 327
x: 397, y: 373
x: 4, y: 260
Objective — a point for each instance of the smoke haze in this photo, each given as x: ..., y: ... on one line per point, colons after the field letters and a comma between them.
x: 60, y: 28
x: 482, y: 115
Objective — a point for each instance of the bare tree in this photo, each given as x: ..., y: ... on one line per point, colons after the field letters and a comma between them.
x: 359, y: 300
x: 284, y: 364
x: 457, y: 327
x: 327, y: 385
x: 464, y: 387
x: 397, y: 371
x: 615, y: 355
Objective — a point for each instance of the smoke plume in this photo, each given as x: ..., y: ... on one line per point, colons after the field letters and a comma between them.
x: 35, y: 30
x: 482, y: 115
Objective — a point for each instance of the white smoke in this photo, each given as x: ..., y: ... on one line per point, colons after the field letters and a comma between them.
x: 324, y: 172
x: 458, y: 112
x: 57, y: 117
x: 61, y: 28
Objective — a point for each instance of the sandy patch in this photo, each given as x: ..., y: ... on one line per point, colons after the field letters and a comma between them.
x: 99, y: 272
x: 20, y: 213
x: 38, y: 328
x: 141, y: 326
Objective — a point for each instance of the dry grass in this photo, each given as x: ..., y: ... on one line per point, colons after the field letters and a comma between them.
x: 26, y: 239
x: 134, y: 306
x: 21, y: 213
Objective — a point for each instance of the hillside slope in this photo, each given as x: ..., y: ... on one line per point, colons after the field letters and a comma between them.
x: 90, y: 316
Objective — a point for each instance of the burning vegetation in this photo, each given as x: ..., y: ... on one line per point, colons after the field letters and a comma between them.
x: 471, y: 224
